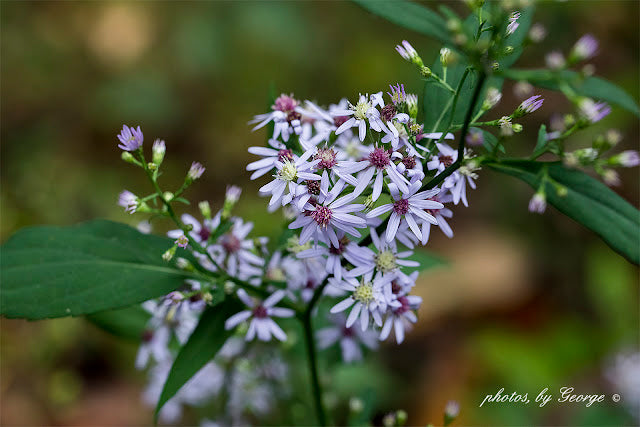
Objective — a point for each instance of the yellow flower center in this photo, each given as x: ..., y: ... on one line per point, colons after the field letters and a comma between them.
x: 289, y: 171
x: 364, y: 293
x: 386, y: 261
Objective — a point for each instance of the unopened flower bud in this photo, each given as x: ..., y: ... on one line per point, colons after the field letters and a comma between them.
x: 517, y: 127
x: 356, y: 405
x: 584, y: 48
x: 454, y: 25
x: 184, y: 264
x: 561, y: 190
x: 627, y: 159
x: 412, y: 105
x: 205, y: 209
x: 169, y: 253
x: 492, y: 97
x: 152, y: 166
x: 168, y: 196
x: 159, y: 148
x: 508, y: 50
x: 229, y: 287
x: 231, y: 198
x: 538, y: 203
x: 588, y: 70
x: 389, y: 420
x: 446, y: 56
x: 555, y: 60
x: 425, y: 72
x: 207, y: 297
x: 610, y: 177
x: 613, y: 137
x: 537, y: 33
x: 128, y: 157
x: 401, y: 415
x: 495, y: 66
x: 451, y: 411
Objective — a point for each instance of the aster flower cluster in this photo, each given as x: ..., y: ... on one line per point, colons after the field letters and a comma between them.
x: 354, y: 168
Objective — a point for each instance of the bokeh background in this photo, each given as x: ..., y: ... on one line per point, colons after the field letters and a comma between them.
x: 526, y: 301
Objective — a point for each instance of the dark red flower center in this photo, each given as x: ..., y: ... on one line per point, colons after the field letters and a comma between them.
x: 446, y: 160
x: 404, y: 307
x: 322, y: 215
x: 230, y: 243
x: 339, y: 120
x: 388, y: 112
x: 338, y: 251
x: 327, y: 158
x: 313, y: 187
x: 401, y: 207
x: 285, y: 154
x: 204, y: 233
x: 260, y: 312
x: 409, y: 162
x: 380, y: 158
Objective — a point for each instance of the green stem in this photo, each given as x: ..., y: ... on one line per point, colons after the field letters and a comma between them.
x: 465, y: 129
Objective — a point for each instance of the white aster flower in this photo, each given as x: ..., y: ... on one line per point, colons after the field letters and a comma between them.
x: 261, y: 324
x: 369, y: 297
x: 386, y: 259
x: 235, y: 253
x: 290, y: 173
x: 364, y: 111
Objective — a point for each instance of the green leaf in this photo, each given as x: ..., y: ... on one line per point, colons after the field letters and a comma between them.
x: 427, y: 260
x: 592, y: 87
x: 490, y: 141
x: 203, y: 344
x: 541, y: 145
x: 411, y: 16
x: 588, y: 202
x: 87, y: 268
x: 129, y: 322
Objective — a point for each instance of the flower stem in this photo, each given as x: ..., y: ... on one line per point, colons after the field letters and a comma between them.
x: 313, y: 367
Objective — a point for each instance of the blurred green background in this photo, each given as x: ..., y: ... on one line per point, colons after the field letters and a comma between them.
x: 527, y: 302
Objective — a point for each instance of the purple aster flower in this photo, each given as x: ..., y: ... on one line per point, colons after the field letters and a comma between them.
x: 285, y: 116
x: 513, y: 23
x: 397, y: 94
x: 377, y: 162
x: 128, y: 201
x: 130, y: 138
x: 593, y: 111
x: 628, y: 159
x: 333, y: 254
x: 528, y: 106
x: 440, y: 215
x: 328, y: 214
x: 584, y: 48
x: 195, y: 171
x: 260, y: 313
x: 234, y: 252
x: 456, y: 182
x: 407, y: 51
x: 408, y: 207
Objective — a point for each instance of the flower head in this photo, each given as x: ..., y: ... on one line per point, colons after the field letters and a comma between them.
x: 260, y: 313
x: 529, y: 105
x: 593, y: 111
x: 513, y: 24
x: 407, y: 51
x: 128, y: 201
x: 584, y: 48
x: 130, y: 138
x: 195, y: 171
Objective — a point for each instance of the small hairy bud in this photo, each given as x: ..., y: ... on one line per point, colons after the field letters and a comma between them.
x: 205, y: 209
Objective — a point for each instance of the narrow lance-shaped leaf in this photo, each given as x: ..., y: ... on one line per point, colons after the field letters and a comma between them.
x: 593, y: 87
x: 587, y: 201
x: 87, y: 268
x: 203, y: 344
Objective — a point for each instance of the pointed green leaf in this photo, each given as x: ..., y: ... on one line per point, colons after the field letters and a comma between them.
x: 411, y: 16
x: 541, y: 145
x: 588, y: 202
x: 129, y: 322
x: 592, y: 87
x: 203, y: 344
x: 91, y: 267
